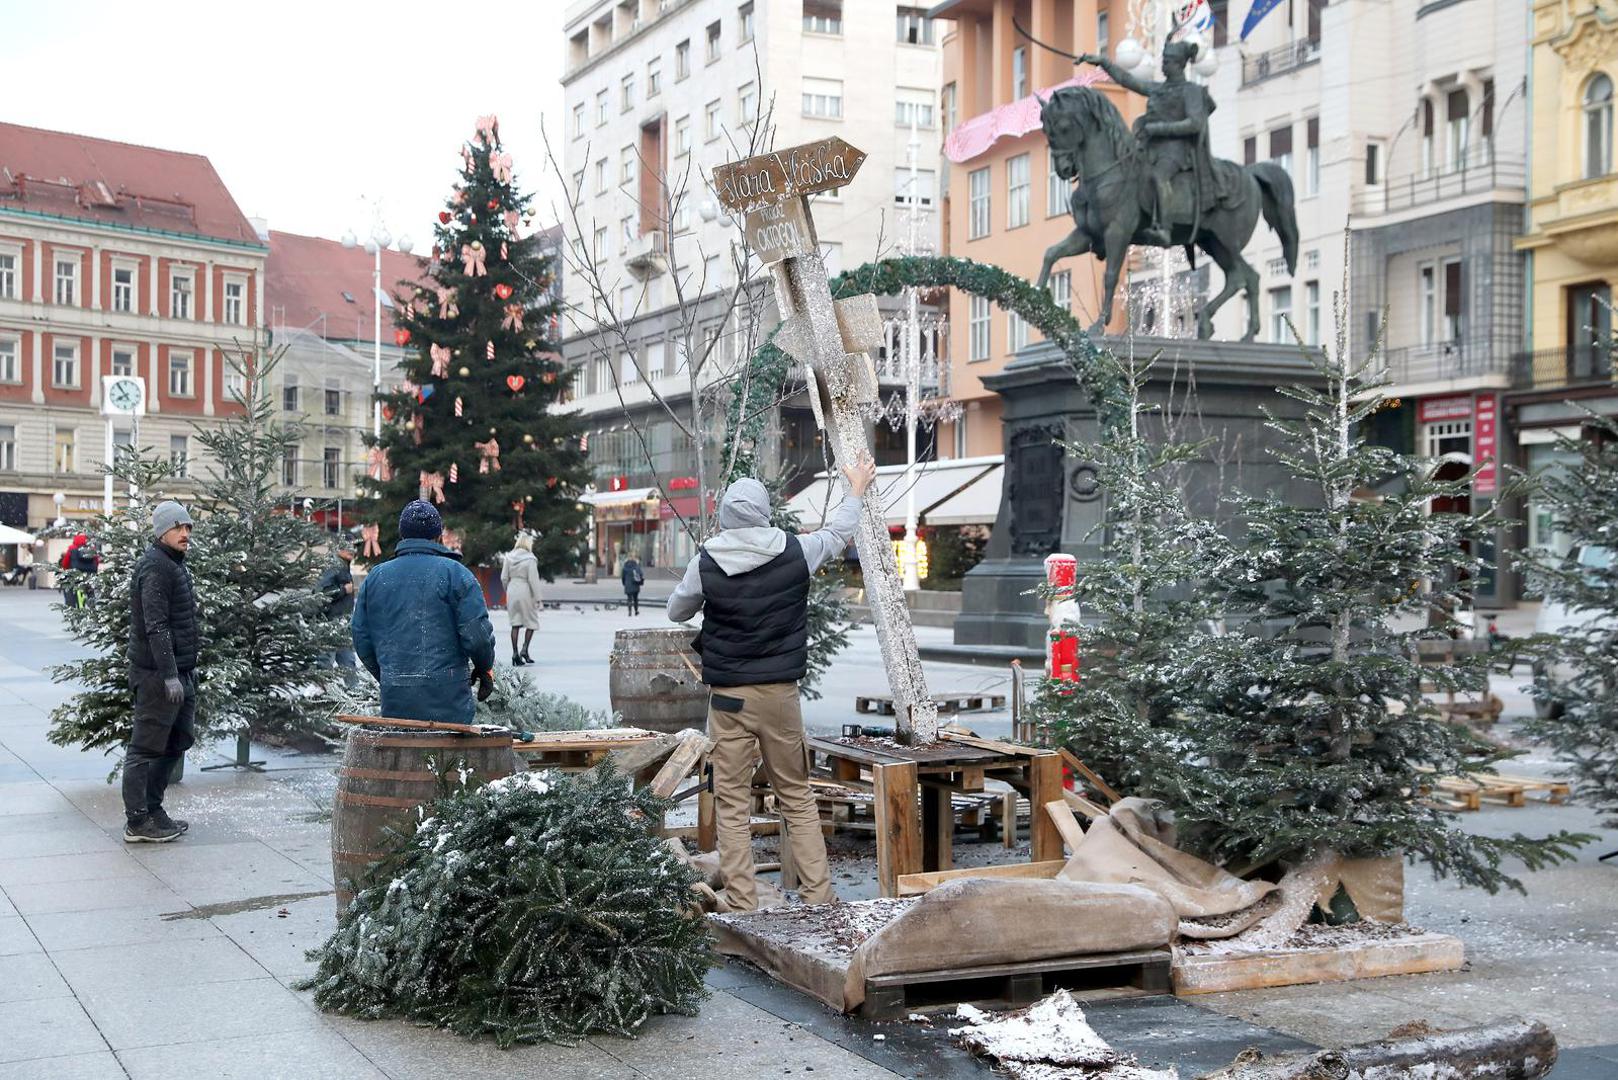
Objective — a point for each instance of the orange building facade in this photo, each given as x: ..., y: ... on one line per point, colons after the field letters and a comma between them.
x: 1003, y: 205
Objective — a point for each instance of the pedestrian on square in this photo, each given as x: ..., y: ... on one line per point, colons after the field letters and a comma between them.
x: 751, y: 582
x: 632, y: 579
x: 336, y: 584
x: 419, y: 621
x: 519, y: 573
x: 163, y: 647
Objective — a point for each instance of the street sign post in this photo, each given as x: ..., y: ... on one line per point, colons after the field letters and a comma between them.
x: 833, y: 340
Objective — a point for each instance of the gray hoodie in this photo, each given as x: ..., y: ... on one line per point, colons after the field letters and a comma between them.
x: 748, y: 541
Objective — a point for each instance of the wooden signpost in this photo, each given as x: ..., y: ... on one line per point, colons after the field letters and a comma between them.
x: 832, y: 340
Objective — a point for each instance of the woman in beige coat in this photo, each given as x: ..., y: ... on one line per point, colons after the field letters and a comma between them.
x: 519, y: 573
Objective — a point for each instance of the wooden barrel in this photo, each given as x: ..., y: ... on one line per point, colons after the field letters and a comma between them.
x: 386, y: 774
x: 653, y: 680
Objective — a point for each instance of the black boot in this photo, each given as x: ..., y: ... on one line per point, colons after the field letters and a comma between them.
x: 516, y: 659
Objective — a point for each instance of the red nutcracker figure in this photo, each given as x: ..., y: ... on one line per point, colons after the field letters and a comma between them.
x: 1061, y: 645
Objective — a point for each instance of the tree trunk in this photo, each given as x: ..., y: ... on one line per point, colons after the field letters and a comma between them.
x: 1503, y: 1050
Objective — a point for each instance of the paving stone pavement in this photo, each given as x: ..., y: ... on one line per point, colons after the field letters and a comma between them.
x: 178, y: 960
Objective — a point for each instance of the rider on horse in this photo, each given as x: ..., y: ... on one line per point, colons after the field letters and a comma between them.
x: 1173, y: 132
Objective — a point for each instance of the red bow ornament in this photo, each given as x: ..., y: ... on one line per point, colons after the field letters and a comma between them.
x: 472, y: 258
x: 490, y: 461
x: 432, y: 486
x: 501, y: 164
x: 451, y: 539
x: 447, y: 307
x: 377, y: 465
x: 370, y: 549
x: 488, y: 128
x: 440, y: 355
x: 513, y: 318
x: 511, y: 222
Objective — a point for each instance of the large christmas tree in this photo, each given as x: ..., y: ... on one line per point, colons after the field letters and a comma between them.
x: 1576, y: 673
x: 473, y: 426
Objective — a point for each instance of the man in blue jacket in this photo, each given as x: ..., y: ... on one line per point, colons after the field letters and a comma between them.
x: 419, y: 621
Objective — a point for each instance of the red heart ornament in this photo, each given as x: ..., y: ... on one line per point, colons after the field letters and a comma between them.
x: 494, y: 204
x: 515, y: 382
x: 401, y: 337
x: 503, y: 291
x: 444, y: 216
x: 387, y: 412
x: 549, y: 377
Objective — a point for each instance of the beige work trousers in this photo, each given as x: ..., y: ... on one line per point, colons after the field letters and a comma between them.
x: 769, y: 724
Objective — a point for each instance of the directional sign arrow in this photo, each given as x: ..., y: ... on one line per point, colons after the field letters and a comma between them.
x: 798, y: 170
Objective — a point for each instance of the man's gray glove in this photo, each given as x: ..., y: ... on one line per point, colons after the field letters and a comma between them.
x: 174, y: 689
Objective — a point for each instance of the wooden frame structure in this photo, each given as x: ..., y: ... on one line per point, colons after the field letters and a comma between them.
x: 913, y: 785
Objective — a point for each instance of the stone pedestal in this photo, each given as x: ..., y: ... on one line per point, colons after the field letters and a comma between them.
x: 1052, y: 501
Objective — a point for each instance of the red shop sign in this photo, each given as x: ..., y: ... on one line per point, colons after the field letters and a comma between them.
x: 1435, y: 409
x: 1485, y: 444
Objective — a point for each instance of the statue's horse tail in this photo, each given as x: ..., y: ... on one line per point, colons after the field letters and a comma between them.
x: 1275, y: 187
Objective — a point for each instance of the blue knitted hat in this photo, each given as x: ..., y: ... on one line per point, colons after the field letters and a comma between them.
x: 420, y: 521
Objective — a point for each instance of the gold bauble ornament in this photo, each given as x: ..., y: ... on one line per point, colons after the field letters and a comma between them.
x: 527, y: 438
x: 465, y: 371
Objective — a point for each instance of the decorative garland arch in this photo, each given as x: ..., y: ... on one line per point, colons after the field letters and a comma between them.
x: 767, y: 371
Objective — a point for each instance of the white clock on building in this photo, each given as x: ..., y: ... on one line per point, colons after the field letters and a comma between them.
x: 123, y: 395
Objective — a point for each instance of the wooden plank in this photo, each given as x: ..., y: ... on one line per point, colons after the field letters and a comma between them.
x: 1212, y: 973
x: 1089, y: 774
x: 694, y: 746
x: 1084, y: 806
x: 916, y: 884
x: 1009, y: 749
x: 1066, y: 824
x: 1044, y: 786
x: 937, y: 828
x: 898, y: 824
x: 972, y: 779
x: 1008, y: 819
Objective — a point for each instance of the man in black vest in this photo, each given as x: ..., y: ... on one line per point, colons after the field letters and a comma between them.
x: 751, y: 582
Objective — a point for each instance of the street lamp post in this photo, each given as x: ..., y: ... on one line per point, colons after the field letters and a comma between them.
x: 379, y: 239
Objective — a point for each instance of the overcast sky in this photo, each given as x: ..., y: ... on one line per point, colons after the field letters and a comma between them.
x: 307, y: 109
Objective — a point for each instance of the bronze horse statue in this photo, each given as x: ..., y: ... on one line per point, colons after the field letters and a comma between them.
x: 1112, y: 204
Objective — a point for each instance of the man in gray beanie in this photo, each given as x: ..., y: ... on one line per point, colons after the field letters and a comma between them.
x: 751, y: 582
x: 163, y: 622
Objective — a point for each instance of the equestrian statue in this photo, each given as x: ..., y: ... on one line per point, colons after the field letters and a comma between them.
x: 1160, y: 186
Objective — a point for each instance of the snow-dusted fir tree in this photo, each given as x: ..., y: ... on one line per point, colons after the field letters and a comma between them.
x: 1576, y: 681
x: 98, y: 716
x: 1311, y: 731
x: 255, y: 564
x: 1142, y: 608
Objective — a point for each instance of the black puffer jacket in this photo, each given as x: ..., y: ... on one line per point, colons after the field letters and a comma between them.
x: 163, y: 614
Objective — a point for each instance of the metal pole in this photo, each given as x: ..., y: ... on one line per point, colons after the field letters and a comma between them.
x: 376, y: 343
x: 912, y: 367
x: 106, y: 482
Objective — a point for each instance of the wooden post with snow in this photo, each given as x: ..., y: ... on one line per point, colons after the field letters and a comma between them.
x: 832, y: 340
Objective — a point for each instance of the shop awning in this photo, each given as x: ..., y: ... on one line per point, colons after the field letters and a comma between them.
x: 619, y: 498
x: 976, y: 504
x: 8, y: 535
x: 934, y: 483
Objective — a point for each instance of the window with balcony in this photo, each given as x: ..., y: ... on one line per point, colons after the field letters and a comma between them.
x: 65, y: 365
x: 289, y: 466
x: 654, y: 76
x: 600, y: 374
x: 682, y: 61
x: 915, y: 28
x: 1373, y: 164
x: 180, y: 374
x: 182, y: 285
x: 1280, y: 312
x: 123, y: 360
x: 179, y: 454
x: 1427, y: 302
x: 289, y: 395
x: 334, y: 401
x: 235, y: 309
x: 823, y: 98
x: 67, y: 280
x: 1429, y: 163
x: 1454, y: 301
x: 628, y: 368
x: 8, y: 448
x: 64, y: 459
x: 10, y: 364
x: 1597, y: 127
x: 978, y: 207
x: 711, y: 43
x: 123, y: 288
x: 823, y: 16
x: 1019, y: 72
x: 8, y: 275
x: 1018, y: 183
x: 331, y: 467
x: 1457, y: 130
x: 744, y: 24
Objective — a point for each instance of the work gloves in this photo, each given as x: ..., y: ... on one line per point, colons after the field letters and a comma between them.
x: 174, y: 689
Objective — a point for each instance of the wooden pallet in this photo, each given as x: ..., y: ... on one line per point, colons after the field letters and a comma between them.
x: 882, y: 704
x: 888, y: 996
x: 1212, y: 973
x: 1465, y: 793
